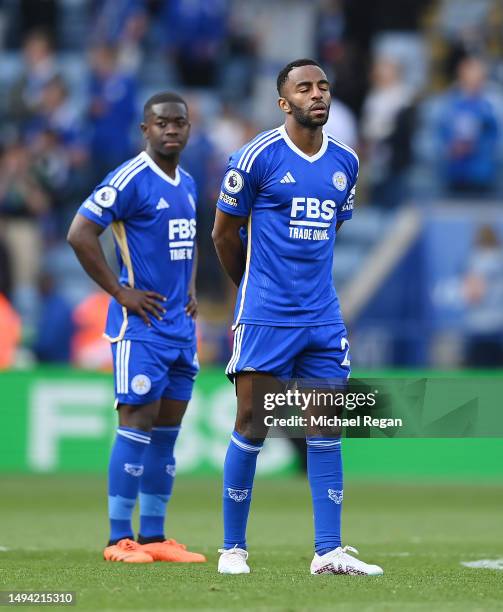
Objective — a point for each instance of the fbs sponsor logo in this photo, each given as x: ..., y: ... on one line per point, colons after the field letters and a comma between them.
x: 238, y: 495
x: 134, y: 469
x: 141, y: 384
x: 233, y: 181
x: 335, y: 496
x: 313, y: 209
x: 182, y: 229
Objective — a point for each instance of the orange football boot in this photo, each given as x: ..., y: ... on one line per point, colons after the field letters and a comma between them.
x: 173, y: 551
x: 127, y: 551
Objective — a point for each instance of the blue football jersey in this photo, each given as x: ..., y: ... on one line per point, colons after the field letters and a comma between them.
x: 293, y: 202
x: 153, y: 219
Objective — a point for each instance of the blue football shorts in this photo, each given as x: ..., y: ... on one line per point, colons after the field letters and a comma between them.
x: 319, y: 352
x: 145, y: 372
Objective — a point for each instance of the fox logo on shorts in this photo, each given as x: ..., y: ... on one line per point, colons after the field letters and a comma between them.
x: 134, y: 469
x: 171, y: 470
x: 141, y: 384
x: 335, y: 496
x: 238, y: 495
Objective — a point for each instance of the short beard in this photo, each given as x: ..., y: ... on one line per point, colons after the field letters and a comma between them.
x: 304, y: 119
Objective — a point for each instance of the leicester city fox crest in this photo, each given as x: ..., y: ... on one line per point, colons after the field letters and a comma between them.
x: 340, y: 181
x: 238, y: 495
x: 134, y: 469
x: 335, y: 496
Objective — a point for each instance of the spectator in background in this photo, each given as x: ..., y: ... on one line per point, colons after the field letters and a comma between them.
x: 330, y: 29
x: 59, y: 150
x: 39, y: 69
x: 10, y: 333
x: 52, y: 164
x: 54, y: 326
x: 112, y: 110
x: 465, y: 28
x: 342, y: 124
x: 38, y: 14
x: 483, y: 292
x: 387, y: 126
x: 239, y: 61
x: 199, y: 152
x: 56, y: 113
x: 342, y: 60
x: 228, y: 131
x: 195, y: 31
x: 121, y: 24
x: 200, y: 158
x: 5, y: 268
x: 468, y: 132
x: 24, y: 206
x: 89, y: 349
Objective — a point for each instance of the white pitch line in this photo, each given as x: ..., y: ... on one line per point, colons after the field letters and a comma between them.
x: 494, y: 564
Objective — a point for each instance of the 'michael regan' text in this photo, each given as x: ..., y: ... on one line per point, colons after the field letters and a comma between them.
x: 326, y: 421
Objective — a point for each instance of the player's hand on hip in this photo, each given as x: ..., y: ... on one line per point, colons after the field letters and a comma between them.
x: 142, y: 303
x: 191, y: 308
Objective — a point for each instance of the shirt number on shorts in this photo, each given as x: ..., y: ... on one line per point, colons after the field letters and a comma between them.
x: 345, y: 347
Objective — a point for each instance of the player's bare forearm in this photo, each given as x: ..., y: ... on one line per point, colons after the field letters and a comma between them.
x: 338, y: 226
x: 228, y: 244
x: 83, y: 237
x: 232, y: 257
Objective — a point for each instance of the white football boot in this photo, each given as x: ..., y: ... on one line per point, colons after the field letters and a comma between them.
x: 339, y: 562
x: 233, y: 561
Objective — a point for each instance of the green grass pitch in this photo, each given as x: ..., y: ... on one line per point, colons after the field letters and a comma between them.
x: 53, y: 530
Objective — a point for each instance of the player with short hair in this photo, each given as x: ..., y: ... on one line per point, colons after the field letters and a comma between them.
x: 150, y: 202
x: 292, y: 188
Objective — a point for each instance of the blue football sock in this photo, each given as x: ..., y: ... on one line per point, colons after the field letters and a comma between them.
x: 239, y: 471
x: 124, y: 471
x: 324, y: 470
x: 156, y: 483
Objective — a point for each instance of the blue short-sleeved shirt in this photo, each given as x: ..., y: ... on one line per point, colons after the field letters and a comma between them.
x: 153, y: 219
x: 293, y: 202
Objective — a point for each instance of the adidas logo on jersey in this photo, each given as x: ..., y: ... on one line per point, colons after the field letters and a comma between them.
x: 162, y: 204
x: 288, y: 178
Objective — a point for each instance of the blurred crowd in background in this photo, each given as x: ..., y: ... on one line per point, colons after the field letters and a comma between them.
x: 417, y: 91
